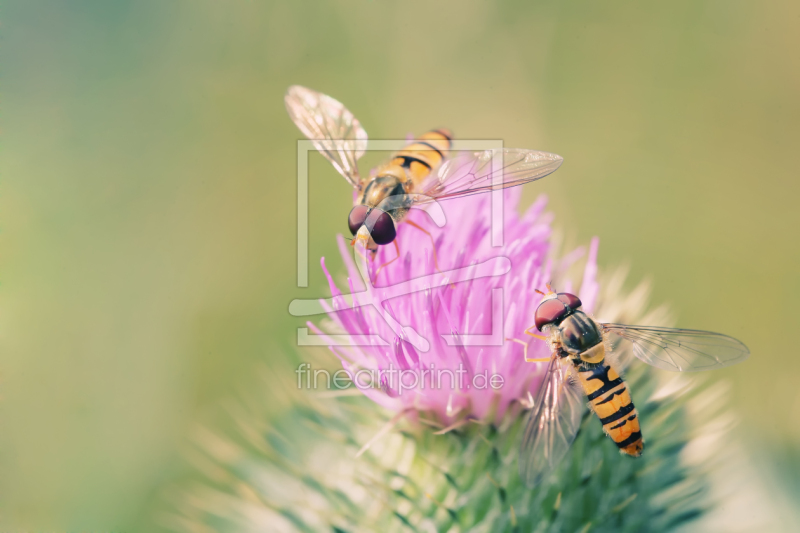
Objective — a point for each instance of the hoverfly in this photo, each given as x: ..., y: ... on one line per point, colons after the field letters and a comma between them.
x: 579, y: 371
x: 422, y: 172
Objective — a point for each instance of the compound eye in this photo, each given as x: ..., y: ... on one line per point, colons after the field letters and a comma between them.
x: 570, y: 300
x: 357, y: 217
x: 550, y: 311
x: 381, y: 227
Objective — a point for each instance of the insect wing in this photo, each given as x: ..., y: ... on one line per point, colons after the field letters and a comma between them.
x: 332, y: 129
x: 681, y: 350
x: 475, y: 172
x: 552, y: 424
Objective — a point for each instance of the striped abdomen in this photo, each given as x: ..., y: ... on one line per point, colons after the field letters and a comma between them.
x: 611, y: 401
x: 423, y: 155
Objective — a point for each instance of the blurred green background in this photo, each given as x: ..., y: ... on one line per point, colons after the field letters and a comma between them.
x: 148, y: 198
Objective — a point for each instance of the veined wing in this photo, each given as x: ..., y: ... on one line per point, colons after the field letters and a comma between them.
x: 552, y: 424
x: 333, y: 130
x: 474, y: 172
x: 681, y: 350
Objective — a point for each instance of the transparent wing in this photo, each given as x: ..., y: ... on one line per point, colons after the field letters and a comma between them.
x: 552, y: 424
x: 681, y: 350
x: 475, y: 172
x: 333, y: 130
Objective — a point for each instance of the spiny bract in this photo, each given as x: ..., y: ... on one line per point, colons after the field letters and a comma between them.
x: 376, y: 461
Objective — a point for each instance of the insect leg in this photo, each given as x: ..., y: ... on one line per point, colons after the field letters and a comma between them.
x: 358, y: 252
x: 525, y: 348
x: 534, y: 335
x: 433, y: 244
x: 397, y: 249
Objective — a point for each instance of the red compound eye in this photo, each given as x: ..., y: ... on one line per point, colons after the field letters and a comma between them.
x: 357, y: 217
x: 381, y: 227
x: 570, y: 300
x: 550, y: 311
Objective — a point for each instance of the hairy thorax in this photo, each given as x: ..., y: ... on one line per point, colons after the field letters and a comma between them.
x: 577, y: 333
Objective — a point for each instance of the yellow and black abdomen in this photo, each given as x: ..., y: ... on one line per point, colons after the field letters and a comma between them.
x: 611, y: 401
x: 407, y: 169
x: 423, y: 155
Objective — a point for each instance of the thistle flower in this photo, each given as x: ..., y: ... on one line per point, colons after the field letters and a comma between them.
x: 469, y: 370
x: 307, y: 468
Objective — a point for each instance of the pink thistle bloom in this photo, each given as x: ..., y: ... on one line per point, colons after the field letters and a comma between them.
x: 460, y: 375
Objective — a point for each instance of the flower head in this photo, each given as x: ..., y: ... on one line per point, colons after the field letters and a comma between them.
x: 431, y: 344
x: 328, y: 463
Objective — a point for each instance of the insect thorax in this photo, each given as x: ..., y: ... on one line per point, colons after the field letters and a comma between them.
x: 578, y: 333
x: 387, y: 183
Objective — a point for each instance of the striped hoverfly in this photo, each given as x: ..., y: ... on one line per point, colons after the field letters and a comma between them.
x: 579, y: 373
x: 424, y: 171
